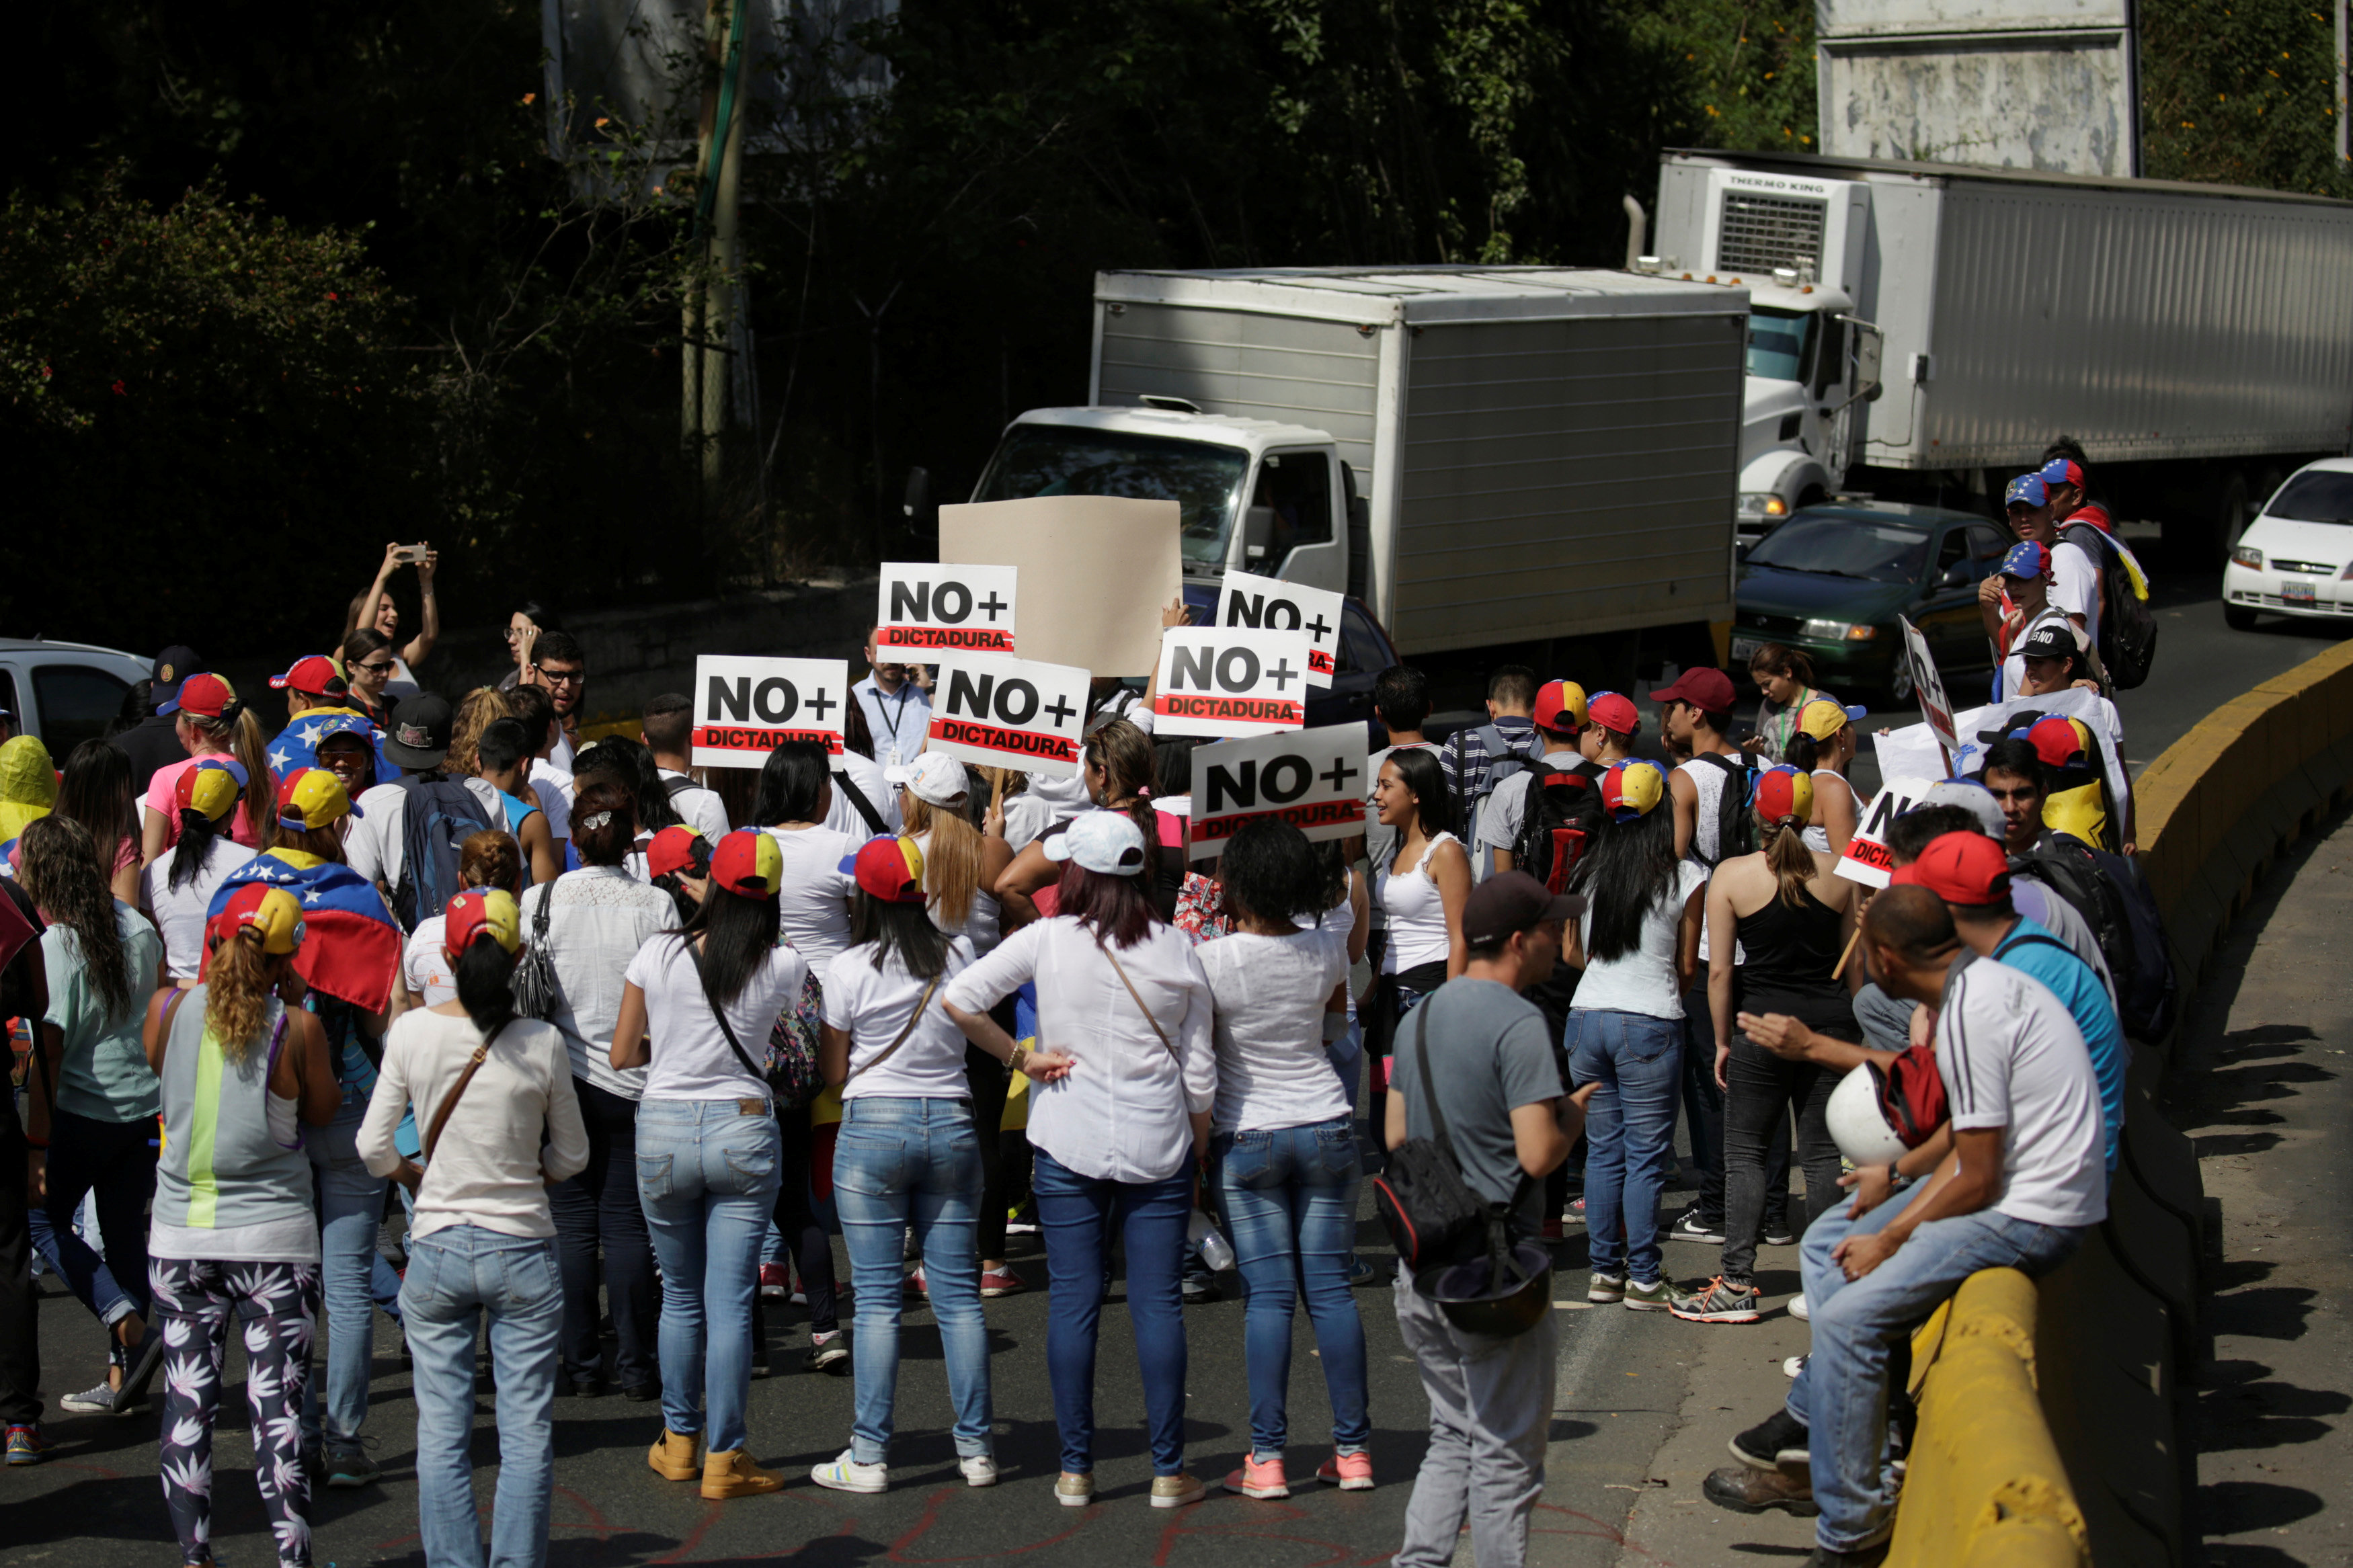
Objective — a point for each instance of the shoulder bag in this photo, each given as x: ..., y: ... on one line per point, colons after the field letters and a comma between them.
x: 1431, y: 1214
x: 537, y: 992
x: 914, y: 1018
x: 790, y: 1072
x: 1121, y: 969
x: 410, y: 1175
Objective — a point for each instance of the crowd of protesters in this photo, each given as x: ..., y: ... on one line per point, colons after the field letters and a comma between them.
x: 620, y: 1042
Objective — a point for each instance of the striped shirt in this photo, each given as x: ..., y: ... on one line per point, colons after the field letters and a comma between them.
x: 2013, y: 1059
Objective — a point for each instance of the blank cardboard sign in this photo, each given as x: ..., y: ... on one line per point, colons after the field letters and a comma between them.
x: 1096, y: 571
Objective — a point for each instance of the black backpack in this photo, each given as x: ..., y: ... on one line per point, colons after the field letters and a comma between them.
x: 439, y: 815
x: 1735, y: 830
x: 1563, y: 814
x: 2127, y: 626
x: 2107, y: 891
x: 1434, y: 1216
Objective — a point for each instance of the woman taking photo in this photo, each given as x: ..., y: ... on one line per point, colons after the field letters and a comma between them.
x: 1285, y: 1146
x: 234, y: 1240
x: 908, y: 1156
x: 709, y: 1150
x: 490, y: 1089
x: 1117, y: 1140
x: 590, y: 923
x: 1639, y: 940
x: 210, y: 721
x: 1822, y: 748
x: 177, y: 891
x: 1788, y: 913
x: 1420, y: 892
x: 95, y: 791
x: 372, y: 606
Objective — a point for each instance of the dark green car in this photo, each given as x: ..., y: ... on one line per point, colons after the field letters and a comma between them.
x: 1834, y: 578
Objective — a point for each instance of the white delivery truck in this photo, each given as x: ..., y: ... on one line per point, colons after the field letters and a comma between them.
x: 1484, y: 455
x: 2196, y: 340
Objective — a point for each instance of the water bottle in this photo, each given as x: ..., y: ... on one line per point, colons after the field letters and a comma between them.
x: 1216, y: 1251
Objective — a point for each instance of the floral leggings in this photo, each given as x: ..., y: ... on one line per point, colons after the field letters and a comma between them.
x: 279, y: 1303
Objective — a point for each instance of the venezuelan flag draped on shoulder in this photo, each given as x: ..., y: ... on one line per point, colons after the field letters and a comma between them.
x: 297, y: 745
x: 351, y: 946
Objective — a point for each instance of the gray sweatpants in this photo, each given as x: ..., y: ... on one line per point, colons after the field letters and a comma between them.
x: 1490, y: 1417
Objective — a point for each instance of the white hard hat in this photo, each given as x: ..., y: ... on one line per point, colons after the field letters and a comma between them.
x: 1858, y: 1126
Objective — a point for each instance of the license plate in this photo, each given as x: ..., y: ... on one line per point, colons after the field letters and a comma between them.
x: 1745, y: 649
x: 2296, y: 594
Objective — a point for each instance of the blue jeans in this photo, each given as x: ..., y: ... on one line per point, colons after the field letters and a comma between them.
x: 1079, y: 1216
x: 355, y: 1279
x: 1290, y: 1200
x: 1841, y: 1396
x: 896, y: 1163
x: 707, y: 1174
x: 1629, y: 1131
x: 1346, y: 1056
x: 457, y: 1276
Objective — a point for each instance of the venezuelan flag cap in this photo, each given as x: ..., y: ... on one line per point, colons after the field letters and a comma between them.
x: 211, y: 786
x: 747, y: 862
x: 273, y: 914
x: 482, y: 911
x: 679, y: 847
x: 313, y: 797
x: 1784, y: 794
x: 891, y: 869
x: 1630, y: 790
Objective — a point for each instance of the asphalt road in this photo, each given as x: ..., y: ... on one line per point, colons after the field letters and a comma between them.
x: 1630, y: 1390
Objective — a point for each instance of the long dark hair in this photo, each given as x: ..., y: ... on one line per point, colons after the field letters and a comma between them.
x: 903, y: 929
x: 630, y: 763
x: 96, y: 792
x: 792, y: 785
x: 1420, y: 772
x: 1269, y: 872
x: 1119, y: 909
x: 738, y: 930
x: 197, y: 832
x: 1627, y: 874
x: 61, y: 870
x: 485, y: 977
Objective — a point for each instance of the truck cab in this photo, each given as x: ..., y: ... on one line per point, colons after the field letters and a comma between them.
x: 1796, y: 423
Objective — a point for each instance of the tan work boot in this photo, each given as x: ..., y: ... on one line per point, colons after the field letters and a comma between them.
x: 672, y: 1456
x: 733, y: 1475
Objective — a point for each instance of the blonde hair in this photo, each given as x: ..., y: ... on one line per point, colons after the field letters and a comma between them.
x: 952, y: 865
x: 1786, y: 856
x: 477, y: 712
x: 237, y: 983
x: 241, y: 737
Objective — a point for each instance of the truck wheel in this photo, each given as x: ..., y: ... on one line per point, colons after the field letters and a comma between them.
x: 2238, y: 618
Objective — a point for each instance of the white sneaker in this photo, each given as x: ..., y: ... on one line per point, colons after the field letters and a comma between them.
x: 1791, y: 1366
x: 847, y: 1475
x: 979, y: 1470
x: 1799, y: 1310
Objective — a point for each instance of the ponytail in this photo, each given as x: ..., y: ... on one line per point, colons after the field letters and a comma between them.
x: 238, y: 733
x: 1787, y: 857
x: 485, y: 973
x: 196, y: 834
x: 237, y: 983
x: 1802, y: 751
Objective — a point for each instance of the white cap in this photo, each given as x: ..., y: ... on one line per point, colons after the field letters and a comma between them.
x: 1972, y: 798
x: 936, y: 778
x: 1105, y: 841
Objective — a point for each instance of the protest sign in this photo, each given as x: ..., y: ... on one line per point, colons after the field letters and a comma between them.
x: 1929, y: 687
x: 745, y: 708
x: 1009, y: 713
x: 1313, y: 779
x: 1218, y: 681
x: 1914, y: 748
x: 1866, y: 859
x: 1250, y: 601
x: 925, y: 613
x: 1107, y: 565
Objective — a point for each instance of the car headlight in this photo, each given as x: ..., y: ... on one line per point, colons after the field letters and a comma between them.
x: 2248, y: 556
x: 1763, y: 503
x: 1839, y: 631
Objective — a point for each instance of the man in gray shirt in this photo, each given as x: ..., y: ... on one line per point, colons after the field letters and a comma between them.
x: 1492, y: 1065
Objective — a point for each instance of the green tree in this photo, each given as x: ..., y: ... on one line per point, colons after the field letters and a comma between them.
x: 2242, y: 92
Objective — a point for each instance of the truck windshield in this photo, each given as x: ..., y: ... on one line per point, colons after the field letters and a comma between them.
x: 1777, y: 342
x: 1845, y: 547
x: 1204, y: 480
x: 2320, y: 495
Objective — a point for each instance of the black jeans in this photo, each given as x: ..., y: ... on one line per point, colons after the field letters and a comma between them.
x: 1765, y: 1088
x: 1704, y: 1118
x: 811, y: 1246
x: 597, y: 1210
x: 985, y: 1077
x: 20, y: 1317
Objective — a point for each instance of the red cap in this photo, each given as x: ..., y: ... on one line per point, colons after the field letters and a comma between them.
x: 1615, y: 712
x: 1560, y: 706
x: 206, y: 696
x: 314, y: 675
x: 1707, y: 690
x: 1961, y: 869
x: 889, y: 868
x: 2057, y: 740
x: 679, y: 849
x: 747, y: 862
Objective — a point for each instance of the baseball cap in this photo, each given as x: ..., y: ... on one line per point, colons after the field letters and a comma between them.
x: 313, y: 797
x: 1822, y: 718
x: 1705, y: 688
x: 211, y: 786
x: 1630, y: 790
x: 748, y: 861
x: 272, y: 911
x: 2051, y: 639
x: 2059, y: 740
x: 1512, y: 901
x: 206, y: 696
x: 1959, y: 868
x: 1104, y: 841
x: 1615, y: 712
x: 1785, y: 794
x: 1972, y: 798
x: 2027, y: 560
x: 679, y: 847
x: 175, y: 665
x: 2027, y: 489
x: 936, y: 779
x: 887, y: 869
x: 479, y: 911
x: 419, y: 737
x: 1556, y: 700
x: 2063, y: 471
x: 316, y: 675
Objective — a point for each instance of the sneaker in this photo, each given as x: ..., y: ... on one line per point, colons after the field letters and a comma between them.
x: 1799, y: 1310
x: 1349, y: 1472
x: 1781, y: 1235
x: 1021, y: 1219
x: 1719, y: 1303
x: 1575, y: 1213
x: 1691, y: 1228
x: 1792, y: 1365
x: 99, y: 1401
x: 1777, y: 1441
x: 1746, y: 1490
x: 1198, y: 1288
x: 1073, y: 1492
x: 775, y: 1285
x: 733, y: 1474
x: 1002, y: 1282
x: 1361, y: 1272
x: 828, y: 1352
x: 1258, y: 1478
x: 1604, y: 1288
x: 917, y: 1286
x: 349, y: 1466
x: 979, y: 1470
x: 146, y: 1359
x: 799, y: 1298
x: 847, y: 1475
x: 1870, y: 1556
x: 1176, y: 1490
x: 1658, y: 1296
x: 26, y: 1446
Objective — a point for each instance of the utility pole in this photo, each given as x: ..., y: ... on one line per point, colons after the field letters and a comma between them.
x: 713, y: 304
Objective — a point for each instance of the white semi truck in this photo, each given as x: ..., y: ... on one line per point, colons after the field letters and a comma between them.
x: 1482, y: 456
x: 1925, y: 327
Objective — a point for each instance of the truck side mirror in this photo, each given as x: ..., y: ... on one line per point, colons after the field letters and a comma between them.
x: 919, y: 493
x: 1258, y: 534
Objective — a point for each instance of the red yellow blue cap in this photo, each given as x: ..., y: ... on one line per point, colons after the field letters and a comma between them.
x: 679, y: 847
x: 482, y: 911
x: 891, y: 869
x: 313, y: 797
x: 272, y: 914
x: 748, y: 861
x: 1785, y: 794
x: 2059, y: 740
x: 1630, y: 790
x: 211, y: 786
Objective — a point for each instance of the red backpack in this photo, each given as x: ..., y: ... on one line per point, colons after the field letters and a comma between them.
x: 1912, y: 1094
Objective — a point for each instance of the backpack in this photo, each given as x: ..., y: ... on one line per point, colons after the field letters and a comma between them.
x: 1735, y: 830
x: 2127, y: 626
x: 1505, y: 760
x: 437, y: 817
x: 859, y: 803
x: 1912, y: 1094
x: 2107, y: 891
x: 1556, y: 827
x: 1433, y: 1216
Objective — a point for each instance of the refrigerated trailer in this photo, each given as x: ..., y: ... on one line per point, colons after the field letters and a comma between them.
x: 2196, y: 340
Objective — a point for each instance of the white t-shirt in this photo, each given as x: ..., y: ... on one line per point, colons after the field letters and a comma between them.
x: 599, y: 919
x: 1270, y: 993
x: 874, y: 1005
x: 814, y: 909
x: 180, y: 911
x: 374, y: 844
x: 880, y: 793
x: 425, y: 968
x: 1643, y: 981
x: 1046, y: 801
x: 700, y: 807
x: 2011, y: 1058
x: 553, y: 786
x: 2075, y: 586
x: 1507, y: 810
x: 691, y: 1057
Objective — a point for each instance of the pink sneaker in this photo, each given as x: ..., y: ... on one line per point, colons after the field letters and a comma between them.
x: 1002, y: 1282
x: 773, y: 1282
x: 1259, y: 1478
x: 1349, y: 1472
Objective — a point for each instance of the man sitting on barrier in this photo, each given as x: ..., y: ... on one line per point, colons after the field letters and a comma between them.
x: 2024, y: 1176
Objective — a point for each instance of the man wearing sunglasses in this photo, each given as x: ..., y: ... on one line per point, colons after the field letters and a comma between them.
x: 557, y: 664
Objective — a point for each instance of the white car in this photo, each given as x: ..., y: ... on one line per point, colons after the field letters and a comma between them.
x: 65, y: 692
x: 2296, y: 557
